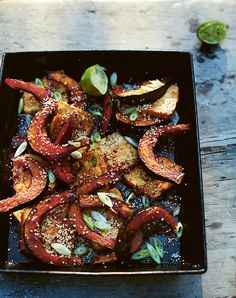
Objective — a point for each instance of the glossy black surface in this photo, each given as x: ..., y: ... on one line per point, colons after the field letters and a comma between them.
x: 140, y: 66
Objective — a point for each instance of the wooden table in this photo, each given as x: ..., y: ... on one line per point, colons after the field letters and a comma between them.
x: 163, y: 25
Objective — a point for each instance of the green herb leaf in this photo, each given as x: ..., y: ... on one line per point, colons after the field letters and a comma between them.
x: 102, y: 225
x: 61, y: 249
x: 98, y: 216
x: 89, y: 222
x: 104, y: 198
x: 153, y: 253
x: 141, y: 254
x: 82, y: 250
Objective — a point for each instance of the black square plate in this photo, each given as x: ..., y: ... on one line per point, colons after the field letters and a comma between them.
x: 142, y: 65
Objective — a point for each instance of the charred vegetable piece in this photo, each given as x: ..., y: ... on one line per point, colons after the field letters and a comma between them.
x: 78, y: 96
x: 161, y: 166
x: 151, y: 214
x: 98, y: 182
x: 148, y: 92
x: 109, y: 258
x: 76, y: 216
x: 63, y: 170
x: 93, y: 201
x: 38, y: 137
x: 143, y: 183
x: 164, y: 106
x: 39, y: 92
x: 140, y: 121
x: 107, y: 113
x: 29, y: 179
x: 32, y: 231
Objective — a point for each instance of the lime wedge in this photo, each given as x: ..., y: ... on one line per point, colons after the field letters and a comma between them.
x: 94, y: 80
x: 212, y: 32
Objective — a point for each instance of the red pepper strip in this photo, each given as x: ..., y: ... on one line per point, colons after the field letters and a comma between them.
x: 76, y: 217
x: 66, y: 131
x: 161, y: 166
x: 39, y: 92
x: 95, y: 183
x: 37, y: 184
x: 78, y: 96
x: 140, y: 121
x: 38, y: 137
x: 63, y: 171
x: 93, y: 201
x: 107, y: 113
x: 150, y: 215
x: 33, y: 223
x: 105, y: 259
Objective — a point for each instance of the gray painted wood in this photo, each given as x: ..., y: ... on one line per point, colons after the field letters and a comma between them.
x: 164, y: 25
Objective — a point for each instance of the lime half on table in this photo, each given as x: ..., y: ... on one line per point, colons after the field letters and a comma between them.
x: 94, y: 80
x: 212, y: 32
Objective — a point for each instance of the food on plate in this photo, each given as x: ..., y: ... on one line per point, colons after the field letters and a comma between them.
x: 96, y: 190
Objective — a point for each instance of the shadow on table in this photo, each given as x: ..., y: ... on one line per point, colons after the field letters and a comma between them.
x: 26, y: 285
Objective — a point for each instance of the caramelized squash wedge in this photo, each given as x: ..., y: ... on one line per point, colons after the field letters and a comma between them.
x: 141, y: 121
x: 161, y: 166
x: 38, y: 137
x: 29, y: 180
x: 146, y: 93
x: 78, y: 96
x: 32, y: 232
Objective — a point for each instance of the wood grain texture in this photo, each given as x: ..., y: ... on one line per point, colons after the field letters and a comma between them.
x: 162, y: 25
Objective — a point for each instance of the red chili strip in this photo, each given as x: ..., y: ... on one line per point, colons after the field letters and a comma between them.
x: 32, y: 236
x: 121, y: 207
x: 63, y: 171
x: 161, y: 166
x: 107, y: 113
x: 78, y: 96
x: 39, y: 92
x: 38, y: 137
x: 76, y: 216
x: 37, y: 184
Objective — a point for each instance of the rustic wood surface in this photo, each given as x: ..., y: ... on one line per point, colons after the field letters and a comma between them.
x: 163, y: 25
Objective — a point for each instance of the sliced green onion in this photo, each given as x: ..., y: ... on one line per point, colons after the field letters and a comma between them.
x: 174, y: 119
x: 104, y: 198
x: 130, y: 197
x: 129, y: 110
x: 131, y: 141
x: 153, y: 253
x: 51, y: 177
x: 141, y: 254
x: 57, y: 95
x: 89, y: 222
x: 176, y: 211
x: 145, y: 201
x: 179, y: 229
x: 101, y: 225
x: 61, y: 249
x: 75, y: 144
x: 82, y: 250
x: 133, y: 116
x: 96, y: 137
x: 113, y: 79
x: 98, y: 216
x: 76, y: 154
x: 21, y: 149
x: 158, y: 247
x: 96, y: 110
x: 38, y: 82
x: 20, y: 106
